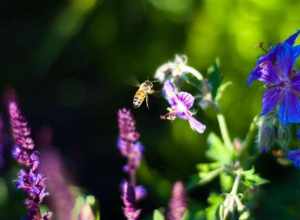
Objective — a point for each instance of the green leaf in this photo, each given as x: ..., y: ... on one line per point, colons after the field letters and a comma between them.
x: 157, y: 215
x: 214, y: 77
x: 226, y: 182
x: 251, y: 179
x: 207, y: 172
x: 192, y: 80
x: 186, y: 215
x: 205, y: 178
x: 214, y: 201
x: 217, y: 151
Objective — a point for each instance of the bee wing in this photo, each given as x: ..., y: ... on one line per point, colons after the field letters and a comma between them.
x: 132, y: 81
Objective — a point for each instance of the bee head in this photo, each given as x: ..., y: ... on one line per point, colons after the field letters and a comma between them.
x: 148, y: 83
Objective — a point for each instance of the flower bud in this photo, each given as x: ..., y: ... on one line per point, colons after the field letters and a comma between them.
x: 266, y: 134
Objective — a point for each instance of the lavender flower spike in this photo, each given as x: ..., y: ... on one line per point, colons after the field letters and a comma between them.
x: 177, y: 204
x: 181, y: 103
x: 129, y: 201
x: 29, y: 179
x: 130, y: 147
x: 128, y: 143
x: 275, y: 70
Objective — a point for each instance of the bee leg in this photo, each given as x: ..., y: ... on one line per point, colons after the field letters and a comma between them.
x: 147, y: 101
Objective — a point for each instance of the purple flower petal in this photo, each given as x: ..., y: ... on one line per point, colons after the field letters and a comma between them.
x: 186, y: 98
x: 289, y: 111
x: 296, y: 51
x: 284, y: 61
x: 270, y: 99
x: 196, y: 125
x: 170, y: 92
x: 294, y: 156
x: 291, y: 40
x: 296, y: 82
x: 264, y: 72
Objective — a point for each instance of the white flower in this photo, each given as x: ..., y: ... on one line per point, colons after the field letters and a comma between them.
x: 176, y: 69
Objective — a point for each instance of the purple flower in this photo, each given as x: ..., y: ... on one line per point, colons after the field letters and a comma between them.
x: 62, y: 198
x: 294, y: 156
x: 129, y: 201
x: 130, y: 147
x: 177, y: 204
x: 181, y: 103
x: 128, y: 143
x: 275, y: 70
x: 29, y: 178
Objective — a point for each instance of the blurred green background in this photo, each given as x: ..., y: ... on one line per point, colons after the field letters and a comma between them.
x: 73, y: 62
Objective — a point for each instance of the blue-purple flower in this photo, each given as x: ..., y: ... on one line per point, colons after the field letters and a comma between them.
x: 275, y: 70
x: 180, y: 105
x: 294, y: 156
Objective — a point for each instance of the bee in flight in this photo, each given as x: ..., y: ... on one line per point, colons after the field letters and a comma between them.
x: 143, y: 92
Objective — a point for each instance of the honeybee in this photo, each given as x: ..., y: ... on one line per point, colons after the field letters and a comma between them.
x: 143, y: 92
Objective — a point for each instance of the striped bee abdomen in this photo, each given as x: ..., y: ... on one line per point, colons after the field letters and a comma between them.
x: 139, y: 98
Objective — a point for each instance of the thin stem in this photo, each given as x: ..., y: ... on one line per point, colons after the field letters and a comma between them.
x: 224, y: 131
x: 251, y: 133
x: 236, y: 184
x: 249, y: 140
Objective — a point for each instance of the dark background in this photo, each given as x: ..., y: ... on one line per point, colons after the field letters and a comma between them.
x: 73, y: 64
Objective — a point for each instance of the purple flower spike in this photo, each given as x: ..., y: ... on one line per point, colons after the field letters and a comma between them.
x: 29, y: 178
x: 294, y: 156
x: 128, y: 143
x: 275, y: 70
x: 177, y: 204
x: 129, y: 200
x: 130, y: 147
x: 180, y: 105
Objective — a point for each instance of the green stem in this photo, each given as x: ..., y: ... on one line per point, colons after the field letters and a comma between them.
x: 224, y: 131
x: 251, y: 133
x: 249, y: 139
x: 236, y: 184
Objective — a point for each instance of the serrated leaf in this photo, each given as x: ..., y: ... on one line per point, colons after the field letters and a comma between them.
x: 205, y: 167
x: 251, y: 179
x: 205, y: 178
x: 217, y: 151
x: 215, y: 201
x: 207, y: 172
x: 157, y: 215
x: 214, y: 77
